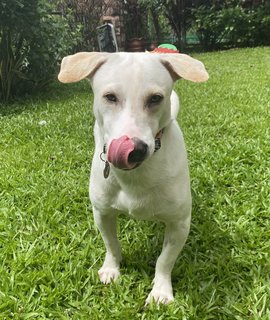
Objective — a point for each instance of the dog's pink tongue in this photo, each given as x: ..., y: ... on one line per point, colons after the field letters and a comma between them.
x: 119, y: 151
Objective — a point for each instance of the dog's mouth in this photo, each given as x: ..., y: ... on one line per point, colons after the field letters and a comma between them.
x: 127, y: 153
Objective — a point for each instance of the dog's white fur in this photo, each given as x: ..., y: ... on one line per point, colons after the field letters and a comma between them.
x: 159, y: 189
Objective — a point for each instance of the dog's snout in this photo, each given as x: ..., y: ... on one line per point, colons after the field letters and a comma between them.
x: 127, y: 153
x: 140, y: 151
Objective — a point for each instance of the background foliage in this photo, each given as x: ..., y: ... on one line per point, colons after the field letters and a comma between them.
x: 88, y: 15
x: 232, y: 25
x: 215, y: 24
x: 32, y: 40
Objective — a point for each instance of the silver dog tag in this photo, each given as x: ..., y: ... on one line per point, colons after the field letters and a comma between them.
x: 106, y: 170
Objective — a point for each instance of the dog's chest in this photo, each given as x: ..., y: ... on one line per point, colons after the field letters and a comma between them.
x: 140, y: 206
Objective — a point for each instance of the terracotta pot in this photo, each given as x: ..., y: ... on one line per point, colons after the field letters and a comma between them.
x: 152, y: 46
x: 136, y: 45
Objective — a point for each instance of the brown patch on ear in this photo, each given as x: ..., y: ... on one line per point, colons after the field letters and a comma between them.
x: 80, y: 65
x: 183, y: 66
x: 169, y: 67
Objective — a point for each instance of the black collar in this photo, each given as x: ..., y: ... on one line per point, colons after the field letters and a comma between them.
x: 157, y: 140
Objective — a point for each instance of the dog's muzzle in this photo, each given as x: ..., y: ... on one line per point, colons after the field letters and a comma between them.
x: 127, y: 153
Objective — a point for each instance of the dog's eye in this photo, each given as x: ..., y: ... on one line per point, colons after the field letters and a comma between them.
x: 111, y: 97
x: 154, y: 99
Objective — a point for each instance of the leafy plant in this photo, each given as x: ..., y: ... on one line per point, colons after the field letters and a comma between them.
x: 32, y: 40
x: 232, y: 26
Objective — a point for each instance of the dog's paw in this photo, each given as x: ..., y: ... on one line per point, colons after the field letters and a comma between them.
x: 108, y: 274
x: 160, y: 296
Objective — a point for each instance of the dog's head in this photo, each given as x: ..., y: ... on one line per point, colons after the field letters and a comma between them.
x: 131, y: 97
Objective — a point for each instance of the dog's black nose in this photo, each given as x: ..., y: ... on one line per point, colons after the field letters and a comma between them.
x: 139, y: 153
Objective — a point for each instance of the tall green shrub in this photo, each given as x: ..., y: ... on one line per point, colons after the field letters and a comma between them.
x: 232, y: 25
x: 32, y: 40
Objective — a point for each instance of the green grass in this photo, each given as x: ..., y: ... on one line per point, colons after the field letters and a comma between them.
x: 50, y: 250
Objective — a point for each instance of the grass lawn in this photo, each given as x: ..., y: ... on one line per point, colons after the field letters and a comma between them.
x: 50, y: 250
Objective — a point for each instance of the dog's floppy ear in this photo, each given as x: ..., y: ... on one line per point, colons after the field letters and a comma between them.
x: 183, y: 66
x: 80, y: 65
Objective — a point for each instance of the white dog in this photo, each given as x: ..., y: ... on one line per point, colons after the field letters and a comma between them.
x: 140, y: 164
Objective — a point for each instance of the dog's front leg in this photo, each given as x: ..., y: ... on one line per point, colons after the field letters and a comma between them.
x: 175, y: 237
x: 106, y: 224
